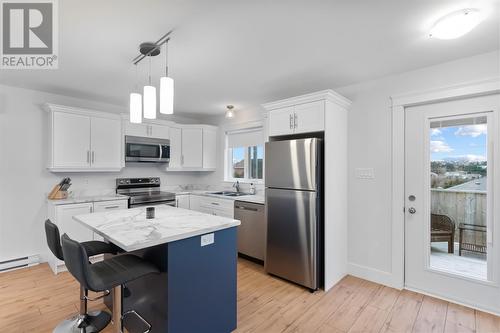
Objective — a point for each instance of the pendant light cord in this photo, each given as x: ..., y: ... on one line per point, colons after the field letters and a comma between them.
x: 149, y: 69
x: 166, y: 59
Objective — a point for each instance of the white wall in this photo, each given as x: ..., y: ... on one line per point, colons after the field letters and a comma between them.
x: 24, y: 180
x: 369, y: 229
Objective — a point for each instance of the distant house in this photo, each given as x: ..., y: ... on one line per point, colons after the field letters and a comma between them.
x: 239, y: 169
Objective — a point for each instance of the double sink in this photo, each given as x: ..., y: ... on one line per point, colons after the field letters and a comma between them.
x: 230, y: 193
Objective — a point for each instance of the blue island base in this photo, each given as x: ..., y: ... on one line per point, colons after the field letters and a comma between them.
x: 195, y: 291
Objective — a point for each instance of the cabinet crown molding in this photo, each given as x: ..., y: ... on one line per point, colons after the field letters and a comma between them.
x: 327, y: 94
x: 49, y: 107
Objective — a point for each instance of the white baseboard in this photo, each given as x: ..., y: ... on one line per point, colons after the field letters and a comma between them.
x: 374, y: 275
x: 472, y: 305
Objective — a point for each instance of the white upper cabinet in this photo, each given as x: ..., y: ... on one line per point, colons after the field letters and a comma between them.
x: 281, y: 121
x: 147, y: 130
x: 83, y: 140
x: 131, y: 129
x: 175, y: 148
x: 159, y: 131
x: 193, y: 148
x: 70, y: 140
x: 309, y: 117
x: 209, y: 148
x: 106, y: 144
x: 301, y: 118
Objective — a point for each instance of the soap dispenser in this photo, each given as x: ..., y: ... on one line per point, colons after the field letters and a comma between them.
x: 253, y: 190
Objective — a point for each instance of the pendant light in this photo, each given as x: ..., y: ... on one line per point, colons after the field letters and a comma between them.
x: 166, y: 89
x: 149, y: 97
x: 145, y: 105
x: 135, y: 104
x: 230, y: 112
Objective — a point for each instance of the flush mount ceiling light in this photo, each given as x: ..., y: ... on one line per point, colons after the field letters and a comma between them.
x: 230, y: 112
x: 146, y: 104
x: 456, y: 24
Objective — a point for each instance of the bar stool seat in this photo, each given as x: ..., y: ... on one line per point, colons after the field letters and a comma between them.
x: 105, y: 275
x: 117, y: 271
x: 86, y: 322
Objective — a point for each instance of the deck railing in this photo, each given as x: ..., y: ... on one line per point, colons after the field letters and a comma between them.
x: 462, y: 207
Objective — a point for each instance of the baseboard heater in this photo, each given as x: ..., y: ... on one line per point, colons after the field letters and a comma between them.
x: 17, y: 263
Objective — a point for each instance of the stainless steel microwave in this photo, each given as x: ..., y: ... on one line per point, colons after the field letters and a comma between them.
x: 139, y: 149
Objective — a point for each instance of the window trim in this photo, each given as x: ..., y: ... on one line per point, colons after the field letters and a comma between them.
x: 228, y: 153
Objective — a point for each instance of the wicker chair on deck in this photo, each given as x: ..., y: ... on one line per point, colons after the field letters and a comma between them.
x: 443, y: 230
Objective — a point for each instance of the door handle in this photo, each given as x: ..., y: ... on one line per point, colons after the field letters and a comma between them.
x: 93, y: 155
x: 111, y: 207
x: 412, y: 210
x: 291, y: 121
x: 88, y: 156
x: 159, y: 145
x: 295, y: 121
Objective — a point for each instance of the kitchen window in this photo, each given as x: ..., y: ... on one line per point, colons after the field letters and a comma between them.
x: 245, y: 155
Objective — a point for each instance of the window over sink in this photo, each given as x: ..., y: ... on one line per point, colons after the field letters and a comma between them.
x: 245, y: 155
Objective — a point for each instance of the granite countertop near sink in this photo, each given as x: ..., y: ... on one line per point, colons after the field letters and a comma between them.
x: 259, y: 199
x: 87, y: 198
x: 130, y: 230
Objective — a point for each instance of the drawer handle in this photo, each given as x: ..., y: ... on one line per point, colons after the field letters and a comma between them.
x: 247, y: 208
x: 215, y: 203
x: 111, y: 207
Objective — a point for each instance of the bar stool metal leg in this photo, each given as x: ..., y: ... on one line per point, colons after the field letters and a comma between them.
x: 84, y: 322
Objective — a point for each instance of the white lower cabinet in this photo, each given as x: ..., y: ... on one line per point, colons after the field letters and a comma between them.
x: 62, y: 216
x: 182, y: 201
x: 103, y: 206
x: 214, y: 206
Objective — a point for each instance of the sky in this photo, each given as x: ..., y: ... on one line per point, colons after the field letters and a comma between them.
x: 459, y: 143
x: 239, y: 153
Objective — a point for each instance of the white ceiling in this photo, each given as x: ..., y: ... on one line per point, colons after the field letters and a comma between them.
x: 248, y: 52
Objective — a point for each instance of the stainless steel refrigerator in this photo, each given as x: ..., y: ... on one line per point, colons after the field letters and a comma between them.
x: 294, y: 210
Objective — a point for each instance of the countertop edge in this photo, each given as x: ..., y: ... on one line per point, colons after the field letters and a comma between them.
x: 233, y: 223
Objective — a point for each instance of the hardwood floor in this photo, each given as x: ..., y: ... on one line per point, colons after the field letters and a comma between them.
x: 34, y: 300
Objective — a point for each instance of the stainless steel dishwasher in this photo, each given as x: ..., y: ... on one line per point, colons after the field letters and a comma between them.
x: 252, y: 231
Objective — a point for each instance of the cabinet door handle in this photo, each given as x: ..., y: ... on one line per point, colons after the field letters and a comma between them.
x: 88, y: 156
x: 291, y: 122
x: 295, y: 120
x: 93, y: 155
x: 182, y: 159
x: 215, y: 203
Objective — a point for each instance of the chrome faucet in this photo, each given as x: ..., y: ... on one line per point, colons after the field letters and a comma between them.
x: 237, y: 186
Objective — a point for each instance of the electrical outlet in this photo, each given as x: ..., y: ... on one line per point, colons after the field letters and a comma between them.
x: 365, y: 173
x: 207, y: 239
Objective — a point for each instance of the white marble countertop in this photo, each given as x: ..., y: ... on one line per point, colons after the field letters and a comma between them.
x: 90, y: 198
x: 130, y: 230
x: 247, y: 198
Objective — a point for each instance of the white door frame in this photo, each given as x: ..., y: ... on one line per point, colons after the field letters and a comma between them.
x: 399, y: 103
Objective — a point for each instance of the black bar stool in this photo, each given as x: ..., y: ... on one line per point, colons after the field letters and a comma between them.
x: 84, y: 321
x: 107, y: 274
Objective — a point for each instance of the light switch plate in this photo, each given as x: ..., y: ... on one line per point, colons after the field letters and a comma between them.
x: 207, y: 239
x: 365, y: 173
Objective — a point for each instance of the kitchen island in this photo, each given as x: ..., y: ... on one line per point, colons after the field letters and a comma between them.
x: 196, y: 254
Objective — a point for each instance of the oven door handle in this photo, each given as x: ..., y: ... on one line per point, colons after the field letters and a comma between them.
x: 161, y: 153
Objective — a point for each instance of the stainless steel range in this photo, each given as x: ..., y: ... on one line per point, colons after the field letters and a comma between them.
x: 144, y: 192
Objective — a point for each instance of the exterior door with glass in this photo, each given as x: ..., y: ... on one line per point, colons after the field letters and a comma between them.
x: 452, y: 191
